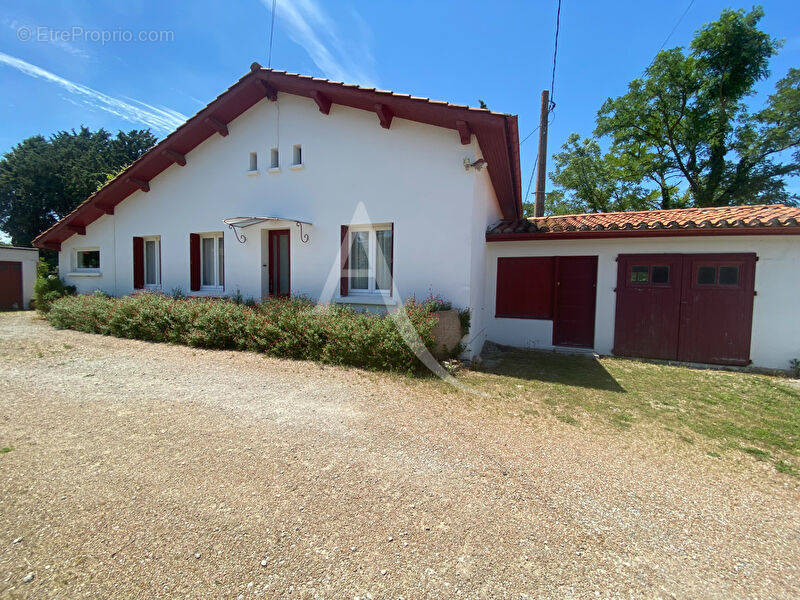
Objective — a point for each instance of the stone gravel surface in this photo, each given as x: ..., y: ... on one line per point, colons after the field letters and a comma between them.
x: 153, y: 471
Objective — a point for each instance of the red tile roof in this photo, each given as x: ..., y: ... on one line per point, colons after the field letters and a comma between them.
x: 495, y: 132
x: 764, y: 218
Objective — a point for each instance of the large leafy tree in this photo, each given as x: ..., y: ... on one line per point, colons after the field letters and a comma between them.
x: 42, y: 180
x: 683, y: 134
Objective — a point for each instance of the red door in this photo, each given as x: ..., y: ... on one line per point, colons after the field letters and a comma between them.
x: 576, y: 288
x: 648, y: 305
x: 717, y: 308
x: 10, y: 284
x: 687, y: 307
x: 279, y: 270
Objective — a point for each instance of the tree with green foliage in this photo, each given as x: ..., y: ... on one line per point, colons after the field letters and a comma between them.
x: 42, y: 180
x: 682, y: 134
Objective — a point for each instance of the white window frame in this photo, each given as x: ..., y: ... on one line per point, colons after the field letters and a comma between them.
x: 297, y: 165
x: 372, y: 258
x: 218, y: 287
x: 157, y: 240
x: 252, y: 166
x: 76, y: 251
x: 274, y: 160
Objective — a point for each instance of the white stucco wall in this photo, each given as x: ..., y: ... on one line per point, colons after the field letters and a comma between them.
x: 485, y: 213
x: 29, y: 257
x: 411, y: 175
x: 776, y: 311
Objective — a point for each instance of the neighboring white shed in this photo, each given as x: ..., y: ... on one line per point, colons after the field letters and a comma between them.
x: 17, y: 276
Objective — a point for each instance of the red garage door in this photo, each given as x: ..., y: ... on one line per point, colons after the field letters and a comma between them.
x: 10, y: 284
x: 688, y: 307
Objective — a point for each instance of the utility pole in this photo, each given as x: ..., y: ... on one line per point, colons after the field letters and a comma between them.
x: 538, y: 209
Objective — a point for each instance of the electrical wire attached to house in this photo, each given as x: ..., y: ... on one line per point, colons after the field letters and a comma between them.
x: 266, y: 79
x: 271, y: 35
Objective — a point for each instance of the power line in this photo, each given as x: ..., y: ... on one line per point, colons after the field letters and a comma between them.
x: 529, y: 135
x: 552, y: 105
x: 530, y: 181
x: 664, y: 43
x: 555, y: 54
x: 553, y: 75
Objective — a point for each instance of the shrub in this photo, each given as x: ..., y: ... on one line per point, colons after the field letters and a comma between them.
x: 284, y: 327
x: 794, y: 365
x: 48, y: 287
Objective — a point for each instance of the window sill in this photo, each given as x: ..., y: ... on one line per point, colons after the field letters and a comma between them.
x: 208, y: 291
x: 251, y: 173
x: 297, y: 167
x: 274, y: 170
x: 373, y: 299
x: 85, y: 274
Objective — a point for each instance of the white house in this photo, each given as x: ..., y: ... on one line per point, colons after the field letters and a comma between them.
x: 287, y: 184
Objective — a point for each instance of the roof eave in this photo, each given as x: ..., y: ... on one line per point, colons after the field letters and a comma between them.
x: 505, y: 179
x: 638, y: 233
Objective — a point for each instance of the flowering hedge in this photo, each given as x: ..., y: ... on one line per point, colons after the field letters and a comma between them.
x: 289, y: 328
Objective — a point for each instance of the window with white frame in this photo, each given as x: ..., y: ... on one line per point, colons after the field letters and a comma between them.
x: 212, y: 261
x: 152, y: 261
x: 86, y: 259
x: 274, y: 162
x: 371, y: 256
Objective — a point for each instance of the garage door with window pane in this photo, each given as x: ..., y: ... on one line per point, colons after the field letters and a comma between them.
x: 687, y: 307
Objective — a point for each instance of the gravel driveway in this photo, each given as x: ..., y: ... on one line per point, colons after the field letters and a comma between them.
x: 143, y: 470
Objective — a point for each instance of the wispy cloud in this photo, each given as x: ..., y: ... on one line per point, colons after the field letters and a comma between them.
x: 18, y: 27
x: 312, y: 28
x: 155, y: 117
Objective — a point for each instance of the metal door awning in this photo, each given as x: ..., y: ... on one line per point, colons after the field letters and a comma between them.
x: 239, y: 223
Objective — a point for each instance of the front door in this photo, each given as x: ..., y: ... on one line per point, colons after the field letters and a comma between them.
x: 278, y: 252
x: 576, y: 286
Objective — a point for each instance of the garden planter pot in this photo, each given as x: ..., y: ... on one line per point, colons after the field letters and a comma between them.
x: 446, y: 333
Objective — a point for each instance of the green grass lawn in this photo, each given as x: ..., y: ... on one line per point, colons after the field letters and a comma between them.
x: 752, y: 413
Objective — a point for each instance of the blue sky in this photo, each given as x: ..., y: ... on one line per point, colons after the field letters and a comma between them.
x: 501, y: 52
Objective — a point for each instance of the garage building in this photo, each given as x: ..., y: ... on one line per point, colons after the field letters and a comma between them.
x: 702, y: 285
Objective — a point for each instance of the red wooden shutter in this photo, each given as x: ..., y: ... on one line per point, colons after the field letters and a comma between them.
x: 525, y: 287
x: 194, y: 261
x: 391, y: 264
x: 138, y: 263
x: 345, y: 251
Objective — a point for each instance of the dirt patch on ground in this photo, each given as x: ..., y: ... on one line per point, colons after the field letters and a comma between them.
x: 144, y: 470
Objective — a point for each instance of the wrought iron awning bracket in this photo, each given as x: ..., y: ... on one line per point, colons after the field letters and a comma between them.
x: 240, y: 237
x: 303, y: 236
x: 238, y: 227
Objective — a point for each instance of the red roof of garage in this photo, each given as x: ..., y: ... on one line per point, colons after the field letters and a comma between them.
x: 721, y: 220
x: 495, y: 132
